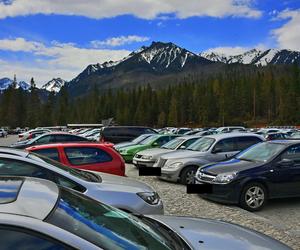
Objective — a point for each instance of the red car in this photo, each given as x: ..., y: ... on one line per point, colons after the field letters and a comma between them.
x: 87, y: 156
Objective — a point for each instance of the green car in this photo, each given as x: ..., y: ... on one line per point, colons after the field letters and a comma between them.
x: 154, y: 141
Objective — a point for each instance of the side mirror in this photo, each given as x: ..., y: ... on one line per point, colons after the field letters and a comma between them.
x: 216, y: 150
x: 182, y: 147
x: 285, y: 163
x: 155, y: 144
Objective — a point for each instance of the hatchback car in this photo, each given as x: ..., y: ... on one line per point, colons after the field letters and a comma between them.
x: 37, y: 214
x: 182, y: 165
x: 53, y: 137
x: 86, y: 156
x: 148, y: 157
x: 154, y: 141
x: 265, y: 171
x: 122, y: 192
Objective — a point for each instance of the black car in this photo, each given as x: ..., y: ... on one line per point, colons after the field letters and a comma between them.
x: 54, y: 137
x: 117, y: 134
x: 264, y: 171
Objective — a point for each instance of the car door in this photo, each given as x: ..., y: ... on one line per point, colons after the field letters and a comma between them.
x: 286, y: 179
x: 91, y: 158
x: 224, y: 149
x: 51, y: 153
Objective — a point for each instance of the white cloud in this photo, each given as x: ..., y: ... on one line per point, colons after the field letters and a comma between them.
x: 118, y: 41
x: 288, y: 36
x: 145, y: 9
x: 65, y: 60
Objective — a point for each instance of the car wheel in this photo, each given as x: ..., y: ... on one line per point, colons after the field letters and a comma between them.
x: 187, y: 175
x: 253, y: 197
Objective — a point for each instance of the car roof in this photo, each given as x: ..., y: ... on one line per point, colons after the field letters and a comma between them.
x: 286, y: 141
x: 28, y: 196
x: 13, y: 151
x: 66, y: 144
x: 230, y: 135
x: 188, y: 137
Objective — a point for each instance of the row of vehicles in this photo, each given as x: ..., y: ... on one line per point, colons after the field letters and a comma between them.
x: 48, y: 205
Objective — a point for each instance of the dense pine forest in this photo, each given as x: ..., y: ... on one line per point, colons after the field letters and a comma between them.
x: 248, y: 96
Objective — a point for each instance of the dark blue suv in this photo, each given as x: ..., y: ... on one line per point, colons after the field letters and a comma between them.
x: 264, y: 171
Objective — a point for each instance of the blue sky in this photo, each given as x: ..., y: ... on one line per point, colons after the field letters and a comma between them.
x: 59, y: 38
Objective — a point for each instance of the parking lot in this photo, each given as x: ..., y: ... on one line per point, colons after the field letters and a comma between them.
x: 280, y: 219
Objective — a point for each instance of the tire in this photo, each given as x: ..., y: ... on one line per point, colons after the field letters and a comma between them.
x: 187, y: 175
x: 253, y: 197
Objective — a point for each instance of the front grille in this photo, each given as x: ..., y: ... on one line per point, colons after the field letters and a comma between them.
x: 161, y: 162
x: 206, y: 177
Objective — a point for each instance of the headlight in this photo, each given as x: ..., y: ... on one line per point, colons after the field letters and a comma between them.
x: 174, y: 165
x: 147, y: 157
x: 150, y: 197
x: 225, y: 178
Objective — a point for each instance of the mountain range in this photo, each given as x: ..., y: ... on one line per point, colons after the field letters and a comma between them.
x: 6, y: 82
x: 157, y: 64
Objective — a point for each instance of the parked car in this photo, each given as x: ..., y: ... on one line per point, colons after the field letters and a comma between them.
x: 135, y: 141
x: 182, y: 131
x: 276, y: 136
x: 265, y: 171
x: 147, y: 158
x: 37, y: 214
x: 122, y: 192
x: 53, y: 137
x: 155, y: 141
x: 117, y: 134
x: 3, y: 132
x: 229, y: 129
x: 28, y: 134
x: 182, y: 165
x: 86, y: 156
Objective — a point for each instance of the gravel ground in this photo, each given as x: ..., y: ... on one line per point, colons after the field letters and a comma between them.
x: 273, y: 220
x: 280, y: 219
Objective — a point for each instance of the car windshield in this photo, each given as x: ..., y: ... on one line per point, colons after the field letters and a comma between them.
x: 84, y: 175
x: 173, y: 144
x: 104, y: 226
x: 202, y: 145
x: 261, y: 152
x: 149, y: 139
x: 140, y: 139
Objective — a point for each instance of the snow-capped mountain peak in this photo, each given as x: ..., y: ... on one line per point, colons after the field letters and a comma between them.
x: 54, y: 85
x: 6, y: 82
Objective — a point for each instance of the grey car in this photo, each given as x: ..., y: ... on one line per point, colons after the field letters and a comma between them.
x: 122, y: 192
x: 148, y: 157
x: 182, y: 165
x: 38, y: 214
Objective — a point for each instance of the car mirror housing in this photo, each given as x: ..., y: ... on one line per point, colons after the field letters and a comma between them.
x: 155, y: 144
x: 285, y: 163
x: 182, y: 147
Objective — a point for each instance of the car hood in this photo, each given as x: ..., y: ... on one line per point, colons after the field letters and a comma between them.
x: 124, y: 144
x: 155, y: 151
x: 214, y: 234
x: 137, y: 147
x: 180, y: 154
x: 122, y: 184
x: 233, y: 165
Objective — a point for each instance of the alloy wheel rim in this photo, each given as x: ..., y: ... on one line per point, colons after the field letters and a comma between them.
x: 190, y: 177
x: 255, y: 197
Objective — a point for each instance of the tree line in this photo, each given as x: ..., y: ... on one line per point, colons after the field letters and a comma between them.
x: 239, y: 95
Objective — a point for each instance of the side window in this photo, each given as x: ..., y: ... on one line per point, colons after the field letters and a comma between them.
x: 19, y: 168
x: 226, y: 145
x: 19, y: 239
x: 44, y: 139
x: 67, y: 138
x: 246, y: 142
x: 84, y: 155
x: 292, y: 153
x: 60, y: 180
x: 51, y: 153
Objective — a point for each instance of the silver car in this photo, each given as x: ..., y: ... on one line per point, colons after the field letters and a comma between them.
x: 182, y: 165
x: 38, y: 214
x: 122, y: 192
x: 148, y: 157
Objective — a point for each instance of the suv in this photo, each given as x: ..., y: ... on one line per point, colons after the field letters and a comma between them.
x: 119, y: 134
x: 182, y: 164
